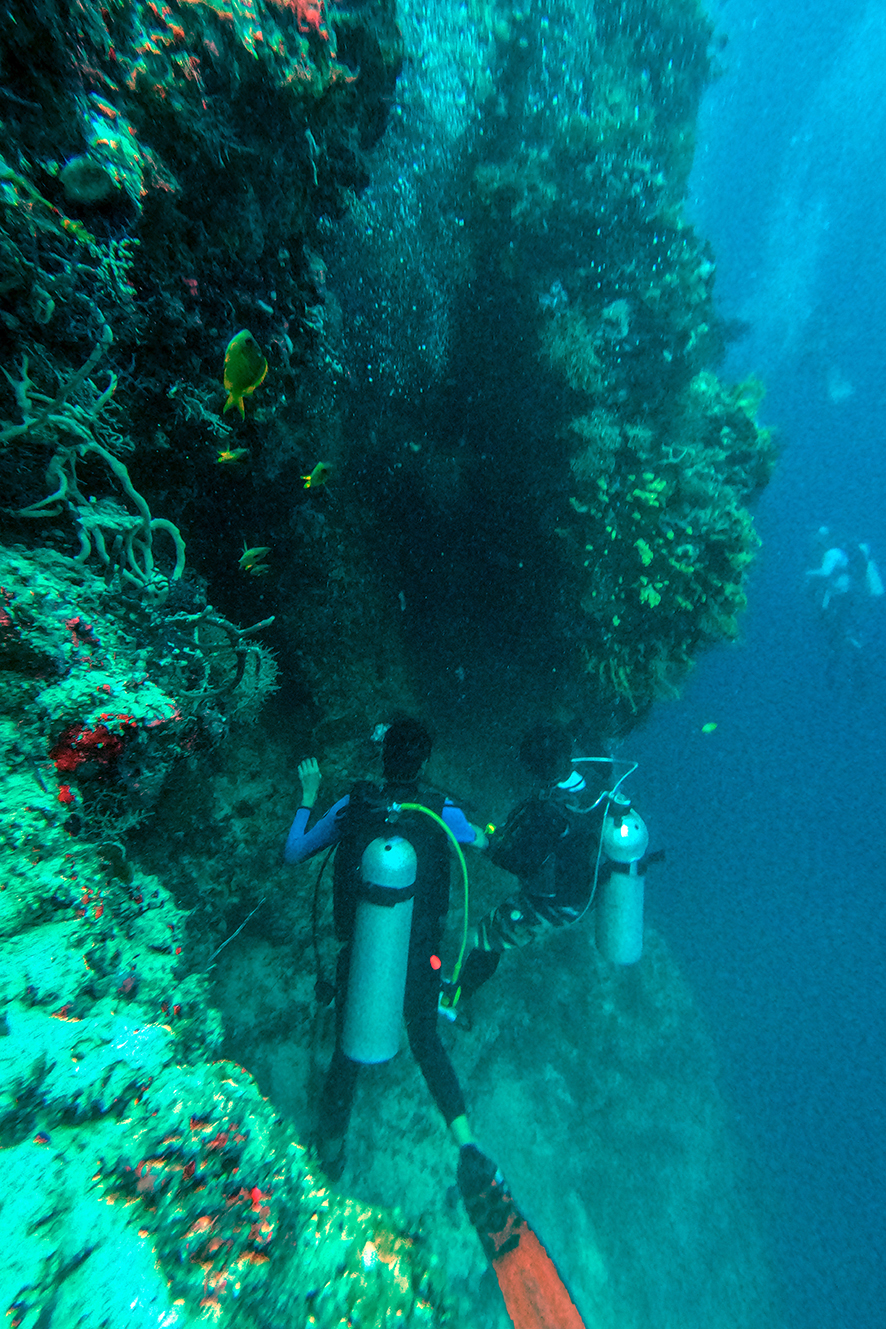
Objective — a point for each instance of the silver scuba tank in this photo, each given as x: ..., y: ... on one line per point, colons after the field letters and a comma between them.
x: 619, y: 911
x: 380, y: 951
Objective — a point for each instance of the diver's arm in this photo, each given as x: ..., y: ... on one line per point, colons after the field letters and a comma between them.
x: 463, y: 830
x: 310, y: 777
x: 301, y: 843
x: 834, y: 560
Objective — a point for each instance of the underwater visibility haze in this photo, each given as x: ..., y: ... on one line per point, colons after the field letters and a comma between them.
x: 495, y: 364
x: 787, y: 957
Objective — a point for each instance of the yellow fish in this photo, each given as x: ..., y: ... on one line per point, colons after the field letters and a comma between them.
x: 245, y: 369
x: 709, y: 727
x: 253, y: 560
x: 234, y: 455
x: 319, y: 475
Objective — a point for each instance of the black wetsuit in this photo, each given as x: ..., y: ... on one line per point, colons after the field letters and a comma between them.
x: 551, y: 845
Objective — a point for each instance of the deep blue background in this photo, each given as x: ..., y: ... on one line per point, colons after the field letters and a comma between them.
x: 773, y: 892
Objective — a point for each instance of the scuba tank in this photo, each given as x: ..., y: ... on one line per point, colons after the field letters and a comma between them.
x: 380, y: 951
x: 619, y: 912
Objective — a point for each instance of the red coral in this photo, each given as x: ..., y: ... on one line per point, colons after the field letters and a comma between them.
x: 78, y: 744
x: 257, y: 1197
x: 309, y: 15
x: 8, y: 632
x: 82, y: 633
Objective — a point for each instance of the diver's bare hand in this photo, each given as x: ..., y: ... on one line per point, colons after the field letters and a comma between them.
x: 481, y: 839
x: 309, y: 774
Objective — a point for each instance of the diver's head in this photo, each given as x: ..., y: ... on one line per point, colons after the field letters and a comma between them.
x: 405, y: 748
x: 546, y: 751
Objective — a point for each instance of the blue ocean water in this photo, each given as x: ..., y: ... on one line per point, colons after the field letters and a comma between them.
x: 773, y: 893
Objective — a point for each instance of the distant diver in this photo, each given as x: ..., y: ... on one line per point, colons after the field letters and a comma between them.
x: 846, y: 582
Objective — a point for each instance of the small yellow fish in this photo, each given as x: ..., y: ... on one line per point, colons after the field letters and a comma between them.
x: 709, y: 727
x: 253, y: 560
x: 319, y: 475
x: 234, y: 455
x: 245, y: 369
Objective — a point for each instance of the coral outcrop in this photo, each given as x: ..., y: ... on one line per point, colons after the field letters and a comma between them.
x: 115, y: 691
x: 147, y: 1178
x: 570, y: 437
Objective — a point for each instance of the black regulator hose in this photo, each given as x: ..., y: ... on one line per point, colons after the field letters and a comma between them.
x: 324, y: 991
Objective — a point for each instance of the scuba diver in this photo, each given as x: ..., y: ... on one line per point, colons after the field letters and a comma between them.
x: 572, y: 843
x: 846, y: 581
x: 391, y: 897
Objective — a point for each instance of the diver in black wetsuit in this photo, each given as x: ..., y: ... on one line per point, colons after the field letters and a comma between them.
x: 550, y: 842
x: 353, y: 823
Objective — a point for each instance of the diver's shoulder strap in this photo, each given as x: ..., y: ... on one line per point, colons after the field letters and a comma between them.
x: 363, y: 820
x: 432, y: 799
x: 366, y: 794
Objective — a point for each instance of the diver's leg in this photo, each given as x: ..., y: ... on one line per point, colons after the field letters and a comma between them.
x: 477, y: 969
x: 514, y: 923
x: 420, y: 1012
x: 339, y: 1087
x: 337, y: 1098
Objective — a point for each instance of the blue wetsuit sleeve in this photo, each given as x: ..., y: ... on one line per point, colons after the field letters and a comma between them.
x: 301, y: 843
x: 458, y: 823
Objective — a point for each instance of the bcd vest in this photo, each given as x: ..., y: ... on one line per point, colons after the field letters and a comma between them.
x: 366, y: 818
x: 551, y: 847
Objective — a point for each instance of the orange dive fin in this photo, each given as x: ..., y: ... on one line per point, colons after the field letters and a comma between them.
x: 534, y: 1292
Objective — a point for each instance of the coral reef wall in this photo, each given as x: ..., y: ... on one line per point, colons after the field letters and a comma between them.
x: 551, y: 415
x: 164, y: 169
x: 148, y: 1180
x: 504, y: 348
x: 169, y: 174
x: 475, y: 430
